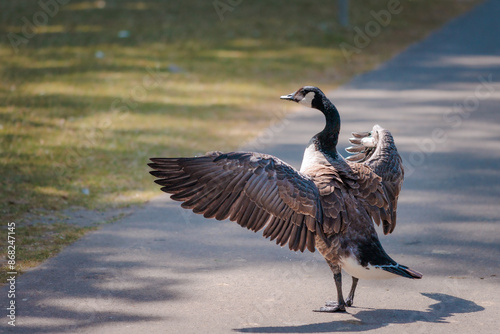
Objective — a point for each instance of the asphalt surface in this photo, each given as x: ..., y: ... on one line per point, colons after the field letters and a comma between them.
x: 165, y: 270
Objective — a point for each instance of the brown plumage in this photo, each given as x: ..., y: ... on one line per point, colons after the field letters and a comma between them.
x: 330, y: 204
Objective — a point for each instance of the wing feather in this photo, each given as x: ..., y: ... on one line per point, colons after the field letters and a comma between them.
x: 377, y: 151
x: 255, y: 190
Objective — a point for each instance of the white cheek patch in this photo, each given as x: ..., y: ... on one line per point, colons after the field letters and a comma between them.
x: 307, y: 100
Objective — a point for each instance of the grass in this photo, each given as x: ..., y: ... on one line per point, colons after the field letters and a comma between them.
x: 87, y: 98
x: 39, y: 242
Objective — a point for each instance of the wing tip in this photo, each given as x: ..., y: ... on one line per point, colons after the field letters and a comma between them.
x: 403, y: 271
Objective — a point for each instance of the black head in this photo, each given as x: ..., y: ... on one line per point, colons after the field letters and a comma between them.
x: 309, y: 96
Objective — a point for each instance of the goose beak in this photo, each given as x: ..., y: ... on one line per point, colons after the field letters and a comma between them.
x: 288, y: 97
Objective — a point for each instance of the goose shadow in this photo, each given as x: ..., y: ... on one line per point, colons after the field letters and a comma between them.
x: 445, y: 307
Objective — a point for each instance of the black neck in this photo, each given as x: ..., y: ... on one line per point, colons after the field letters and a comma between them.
x: 328, y: 138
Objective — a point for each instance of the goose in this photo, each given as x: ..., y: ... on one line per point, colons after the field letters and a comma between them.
x: 331, y: 204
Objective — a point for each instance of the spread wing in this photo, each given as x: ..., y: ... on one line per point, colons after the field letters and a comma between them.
x: 255, y: 190
x: 376, y: 150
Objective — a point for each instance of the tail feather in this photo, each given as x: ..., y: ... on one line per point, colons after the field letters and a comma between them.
x: 401, y: 270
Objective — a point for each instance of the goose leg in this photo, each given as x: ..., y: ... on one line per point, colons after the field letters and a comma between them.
x: 340, y: 305
x: 350, y: 297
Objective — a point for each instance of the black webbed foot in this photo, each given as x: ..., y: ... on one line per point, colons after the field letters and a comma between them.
x: 332, y: 307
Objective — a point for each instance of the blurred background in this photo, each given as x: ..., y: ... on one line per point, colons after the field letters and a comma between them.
x: 90, y: 90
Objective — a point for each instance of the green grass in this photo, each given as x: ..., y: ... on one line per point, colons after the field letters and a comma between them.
x: 82, y: 110
x: 36, y: 243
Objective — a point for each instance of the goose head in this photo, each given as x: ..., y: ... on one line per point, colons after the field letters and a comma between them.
x: 308, y: 96
x: 313, y: 97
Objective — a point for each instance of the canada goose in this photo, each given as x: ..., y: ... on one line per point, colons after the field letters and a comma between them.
x: 330, y: 204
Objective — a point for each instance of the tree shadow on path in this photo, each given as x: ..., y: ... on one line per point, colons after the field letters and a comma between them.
x: 445, y: 307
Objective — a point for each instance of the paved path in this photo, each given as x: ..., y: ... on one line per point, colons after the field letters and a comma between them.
x: 165, y: 270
